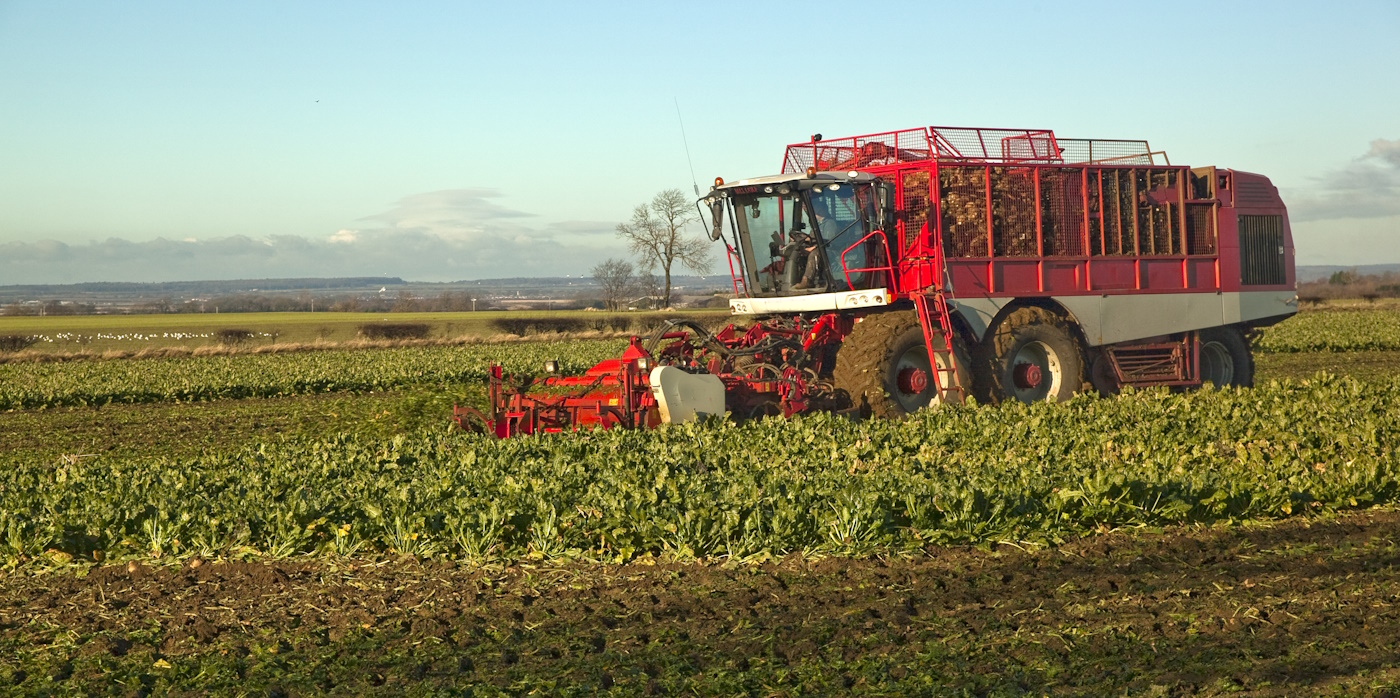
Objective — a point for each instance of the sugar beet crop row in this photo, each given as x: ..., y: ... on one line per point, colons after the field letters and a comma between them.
x: 1035, y: 473
x: 1333, y: 330
x: 35, y: 385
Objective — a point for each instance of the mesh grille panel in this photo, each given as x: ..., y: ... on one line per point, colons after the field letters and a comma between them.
x: 1096, y: 236
x: 1116, y: 152
x: 963, y: 210
x: 947, y: 143
x: 1062, y: 211
x: 859, y: 151
x: 1200, y: 229
x: 1013, y: 212
x: 1145, y: 243
x: 1159, y: 226
x: 1261, y: 250
x: 1118, y: 212
x: 994, y: 144
x: 915, y: 205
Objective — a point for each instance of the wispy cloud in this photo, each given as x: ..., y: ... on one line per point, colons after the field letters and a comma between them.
x: 449, y: 213
x: 437, y: 236
x: 1367, y: 187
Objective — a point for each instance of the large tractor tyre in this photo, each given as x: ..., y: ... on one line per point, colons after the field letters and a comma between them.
x: 884, y: 367
x: 1033, y: 357
x: 1226, y: 359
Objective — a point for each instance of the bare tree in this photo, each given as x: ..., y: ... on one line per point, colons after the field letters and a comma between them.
x: 647, y: 286
x: 657, y: 236
x: 614, y: 277
x: 405, y: 303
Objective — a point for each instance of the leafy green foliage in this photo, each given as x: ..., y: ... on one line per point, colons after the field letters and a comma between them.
x: 29, y: 385
x: 1037, y: 473
x: 1333, y: 330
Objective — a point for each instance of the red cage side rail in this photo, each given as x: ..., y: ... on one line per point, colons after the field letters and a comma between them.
x: 963, y: 144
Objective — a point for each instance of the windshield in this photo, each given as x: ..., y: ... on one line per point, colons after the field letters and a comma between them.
x: 792, y: 242
x: 842, y: 212
x: 766, y: 223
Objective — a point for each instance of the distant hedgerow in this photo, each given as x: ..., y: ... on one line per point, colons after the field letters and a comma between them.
x: 402, y: 330
x: 234, y: 336
x: 16, y: 342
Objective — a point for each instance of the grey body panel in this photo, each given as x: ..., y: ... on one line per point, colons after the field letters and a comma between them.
x: 978, y: 313
x: 1124, y: 318
x: 1257, y: 305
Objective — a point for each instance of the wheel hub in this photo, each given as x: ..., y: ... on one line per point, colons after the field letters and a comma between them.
x: 913, y: 381
x: 1027, y: 376
x: 1217, y: 365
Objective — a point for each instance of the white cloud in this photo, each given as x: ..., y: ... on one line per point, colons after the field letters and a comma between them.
x: 1367, y: 187
x: 438, y: 236
x: 450, y: 213
x: 1386, y: 151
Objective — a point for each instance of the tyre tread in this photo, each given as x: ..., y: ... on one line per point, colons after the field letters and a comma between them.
x: 1003, y: 339
x: 864, y: 354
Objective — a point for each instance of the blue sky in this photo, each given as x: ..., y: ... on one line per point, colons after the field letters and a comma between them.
x: 440, y: 141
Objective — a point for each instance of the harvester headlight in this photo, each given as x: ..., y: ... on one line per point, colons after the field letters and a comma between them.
x: 644, y: 364
x: 768, y: 190
x: 551, y: 367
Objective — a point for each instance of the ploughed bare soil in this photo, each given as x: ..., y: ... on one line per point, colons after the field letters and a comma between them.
x: 1297, y: 608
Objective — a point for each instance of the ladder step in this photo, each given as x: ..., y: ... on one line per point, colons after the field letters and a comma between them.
x: 945, y: 351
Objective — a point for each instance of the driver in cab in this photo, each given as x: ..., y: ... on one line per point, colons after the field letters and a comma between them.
x: 827, y: 229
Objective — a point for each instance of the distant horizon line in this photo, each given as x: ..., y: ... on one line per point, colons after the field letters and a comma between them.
x: 398, y: 280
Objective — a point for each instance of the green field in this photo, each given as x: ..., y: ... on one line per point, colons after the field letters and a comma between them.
x: 819, y: 484
x: 129, y: 333
x: 1339, y: 330
x: 308, y: 522
x: 28, y: 385
x: 1332, y: 328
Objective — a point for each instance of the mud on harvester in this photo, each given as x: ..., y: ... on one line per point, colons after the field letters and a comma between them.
x: 887, y: 272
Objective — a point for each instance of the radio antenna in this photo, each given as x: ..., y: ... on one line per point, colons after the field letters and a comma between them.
x: 686, y: 143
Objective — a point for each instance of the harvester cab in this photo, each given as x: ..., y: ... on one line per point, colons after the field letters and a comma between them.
x: 806, y: 234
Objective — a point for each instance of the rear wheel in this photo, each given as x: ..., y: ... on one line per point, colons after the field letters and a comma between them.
x: 1033, y: 357
x: 1225, y: 358
x: 884, y: 366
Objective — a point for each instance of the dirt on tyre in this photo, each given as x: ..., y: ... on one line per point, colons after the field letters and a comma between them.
x: 1033, y: 356
x: 1226, y: 359
x: 884, y: 367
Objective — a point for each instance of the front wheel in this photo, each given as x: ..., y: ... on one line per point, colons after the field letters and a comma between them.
x: 884, y: 366
x: 1033, y: 357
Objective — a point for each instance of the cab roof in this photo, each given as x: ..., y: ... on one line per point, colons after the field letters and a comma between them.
x: 798, y: 180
